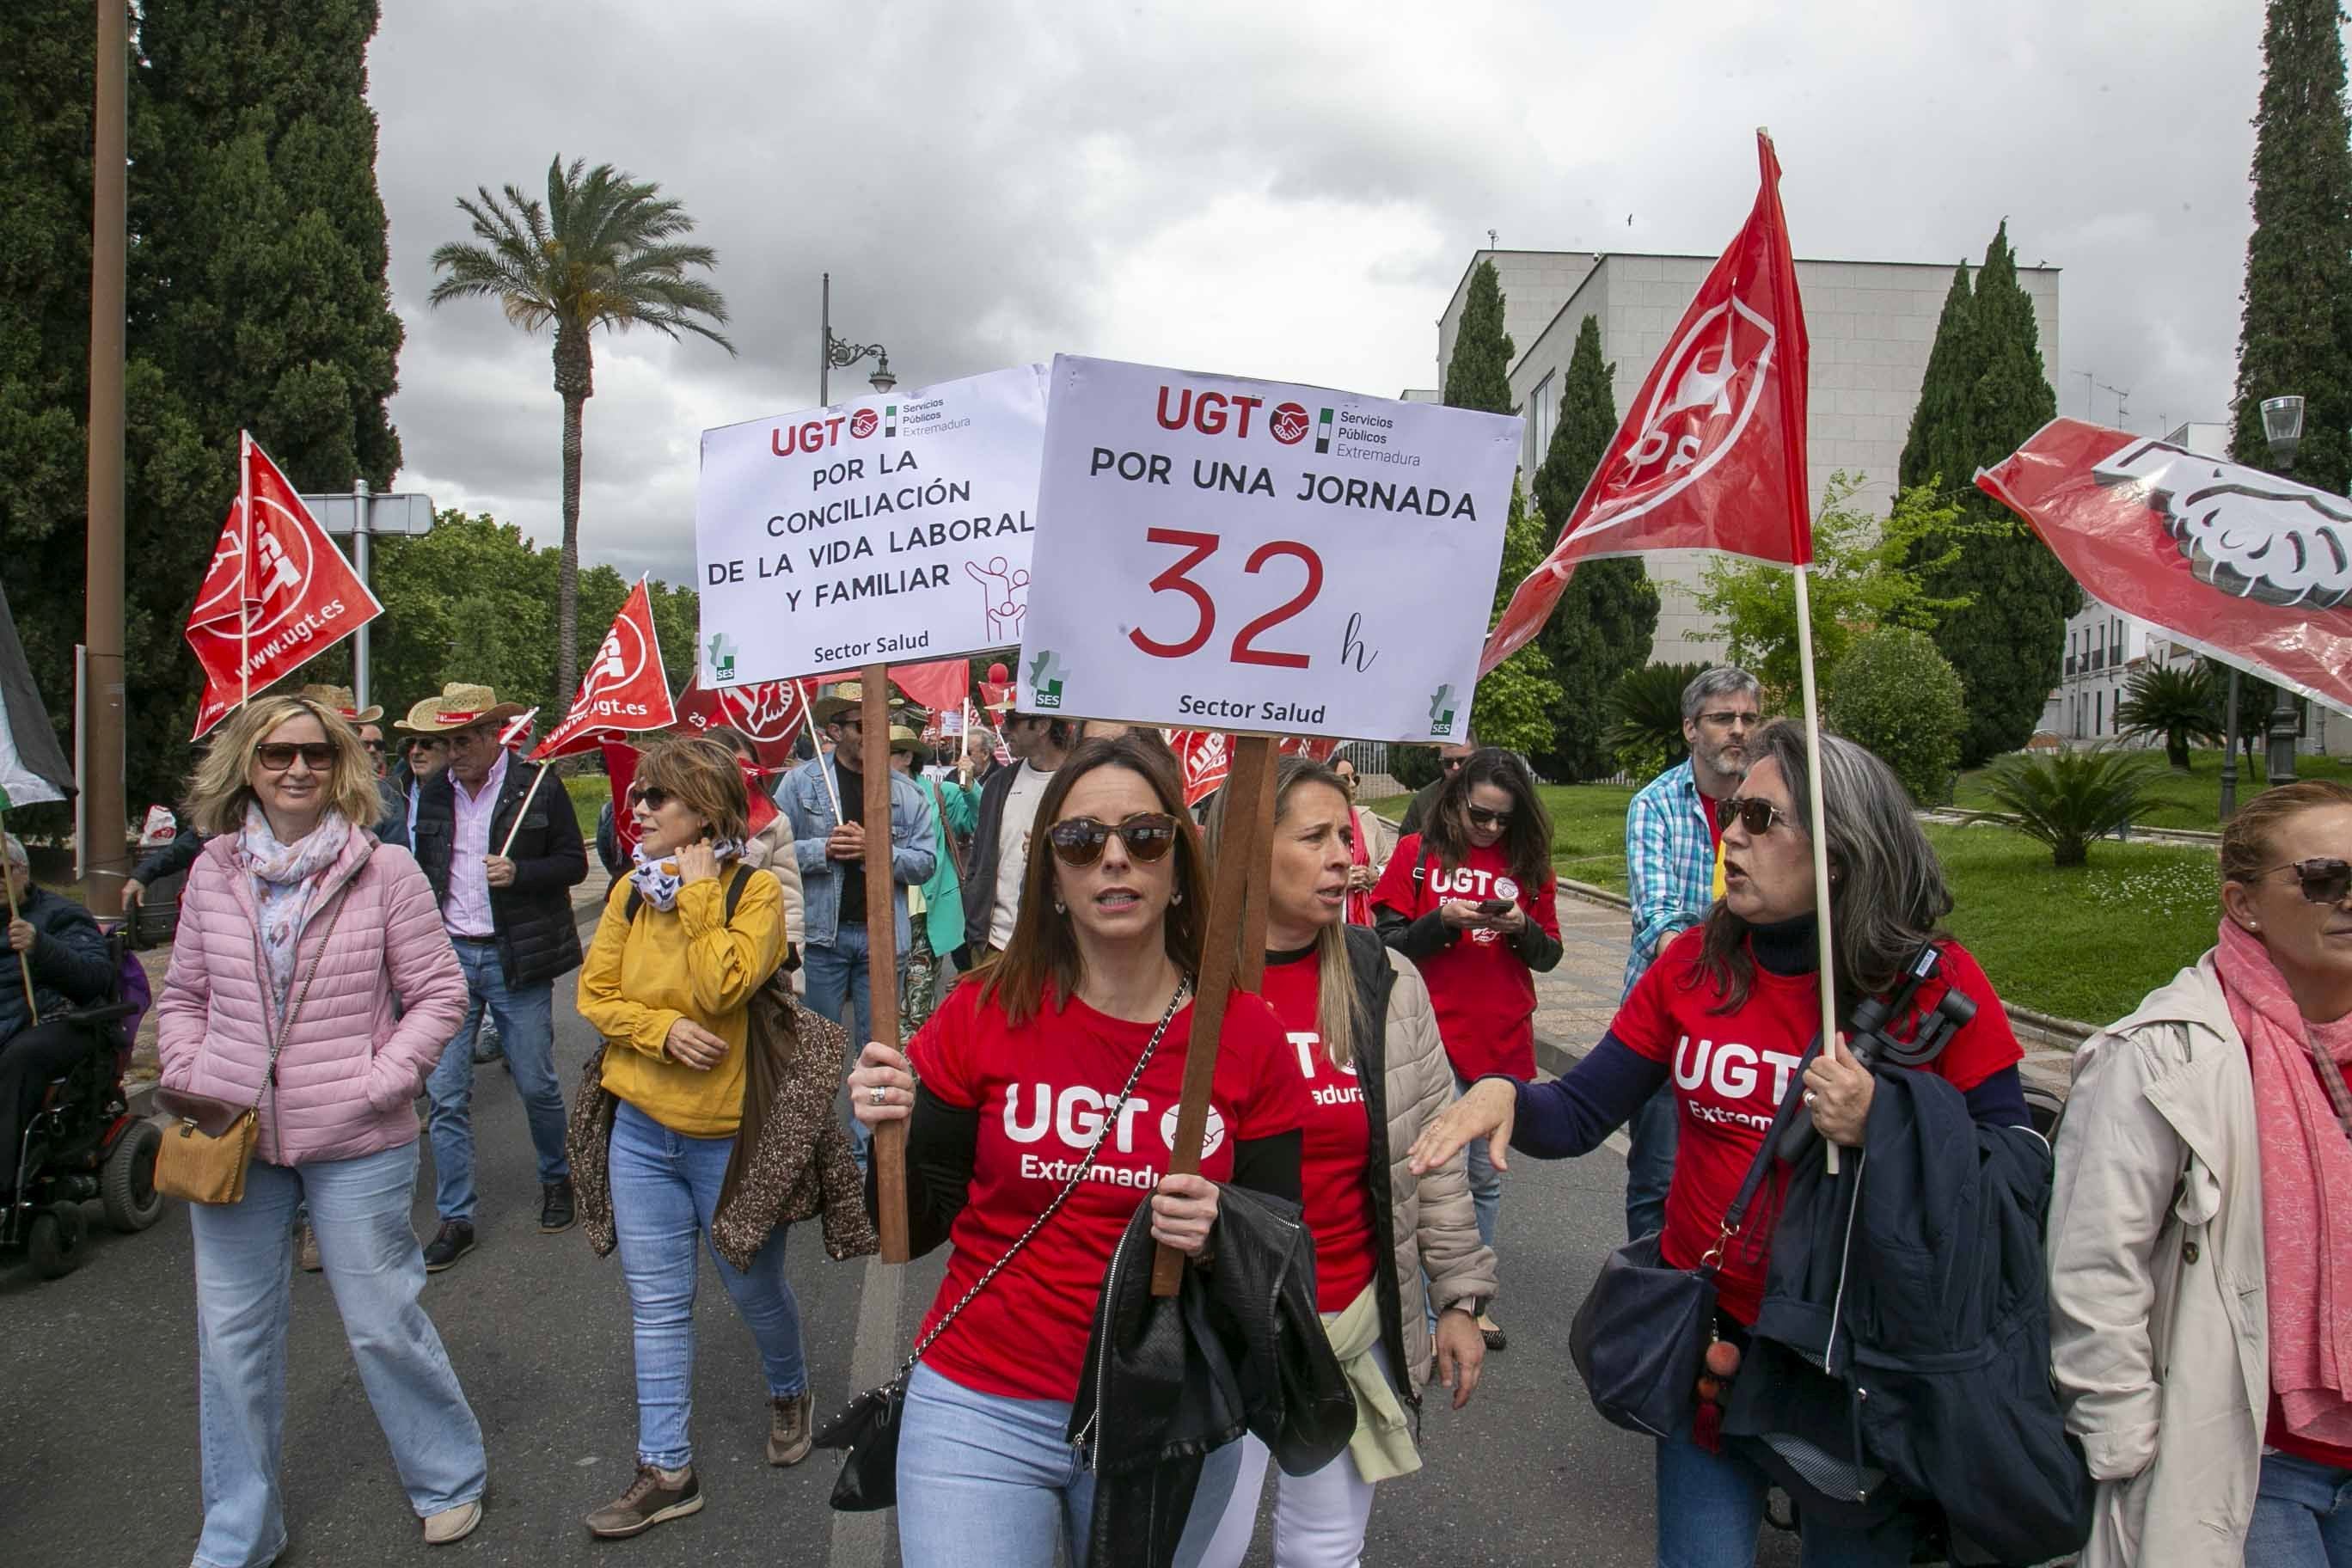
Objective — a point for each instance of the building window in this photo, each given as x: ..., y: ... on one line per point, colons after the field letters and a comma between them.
x: 2099, y: 713
x: 1539, y: 418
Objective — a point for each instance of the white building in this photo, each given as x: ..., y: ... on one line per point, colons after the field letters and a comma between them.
x: 1871, y: 324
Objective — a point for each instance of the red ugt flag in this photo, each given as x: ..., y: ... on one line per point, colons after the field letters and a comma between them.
x: 1712, y: 453
x: 624, y: 689
x: 278, y: 594
x: 768, y: 713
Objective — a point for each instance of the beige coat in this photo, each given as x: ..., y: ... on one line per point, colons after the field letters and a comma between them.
x: 2159, y: 1329
x: 771, y: 849
x: 1436, y: 1230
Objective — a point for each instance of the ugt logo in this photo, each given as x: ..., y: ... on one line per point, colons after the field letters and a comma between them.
x: 1046, y: 675
x: 722, y: 658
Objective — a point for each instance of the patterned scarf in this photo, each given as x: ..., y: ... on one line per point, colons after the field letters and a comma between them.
x: 286, y: 880
x: 2304, y: 1125
x: 658, y: 880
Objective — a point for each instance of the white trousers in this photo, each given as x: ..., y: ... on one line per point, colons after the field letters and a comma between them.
x: 1318, y: 1520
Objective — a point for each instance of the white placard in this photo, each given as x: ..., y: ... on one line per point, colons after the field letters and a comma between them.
x: 892, y: 528
x: 1230, y: 554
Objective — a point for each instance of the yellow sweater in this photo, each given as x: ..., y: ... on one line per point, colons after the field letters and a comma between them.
x: 641, y: 976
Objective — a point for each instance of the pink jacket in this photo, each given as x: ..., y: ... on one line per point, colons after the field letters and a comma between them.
x: 348, y: 1070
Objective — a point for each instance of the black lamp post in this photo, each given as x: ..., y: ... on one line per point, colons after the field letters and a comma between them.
x: 2283, y: 428
x: 839, y: 355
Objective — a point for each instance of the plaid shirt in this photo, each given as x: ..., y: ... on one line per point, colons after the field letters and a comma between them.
x: 1669, y: 863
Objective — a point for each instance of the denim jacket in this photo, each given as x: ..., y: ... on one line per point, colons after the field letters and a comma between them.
x: 806, y: 802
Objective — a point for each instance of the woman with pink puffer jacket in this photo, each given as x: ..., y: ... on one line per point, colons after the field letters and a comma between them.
x: 296, y: 923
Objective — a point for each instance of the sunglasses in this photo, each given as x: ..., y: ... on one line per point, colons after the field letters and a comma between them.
x: 277, y: 756
x: 653, y: 797
x: 2324, y: 881
x: 1080, y: 841
x: 376, y: 746
x: 1756, y: 816
x: 1481, y: 817
x: 1454, y: 764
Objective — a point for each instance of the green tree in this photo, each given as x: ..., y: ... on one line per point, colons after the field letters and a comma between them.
x: 1984, y: 394
x: 1479, y: 373
x: 1867, y: 572
x: 2066, y: 799
x: 1645, y: 718
x: 2176, y: 702
x: 1515, y: 700
x: 2295, y: 335
x: 1601, y: 629
x: 602, y: 251
x: 1893, y: 694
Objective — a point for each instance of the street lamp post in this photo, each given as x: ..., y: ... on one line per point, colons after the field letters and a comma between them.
x: 834, y: 354
x: 2283, y: 429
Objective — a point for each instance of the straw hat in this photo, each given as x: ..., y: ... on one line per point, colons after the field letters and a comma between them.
x: 905, y: 740
x: 841, y: 700
x: 458, y: 706
x: 344, y: 701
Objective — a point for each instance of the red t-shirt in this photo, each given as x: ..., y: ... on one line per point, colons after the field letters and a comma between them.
x: 1337, y: 1147
x: 1729, y: 1072
x: 1480, y: 987
x: 1041, y: 1090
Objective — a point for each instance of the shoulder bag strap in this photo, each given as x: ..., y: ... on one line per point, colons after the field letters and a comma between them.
x: 1110, y: 1115
x: 1736, y: 1215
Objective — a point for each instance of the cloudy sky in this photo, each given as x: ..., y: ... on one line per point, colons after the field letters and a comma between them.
x: 1286, y: 192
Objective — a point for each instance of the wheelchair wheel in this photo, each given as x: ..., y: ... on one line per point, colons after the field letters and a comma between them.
x: 126, y: 1188
x: 54, y: 1243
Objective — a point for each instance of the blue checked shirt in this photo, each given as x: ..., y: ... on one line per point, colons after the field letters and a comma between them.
x: 1669, y: 863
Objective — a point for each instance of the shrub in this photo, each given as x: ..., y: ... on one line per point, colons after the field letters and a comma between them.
x: 2065, y: 799
x: 1895, y: 694
x: 2178, y: 702
x: 1645, y: 718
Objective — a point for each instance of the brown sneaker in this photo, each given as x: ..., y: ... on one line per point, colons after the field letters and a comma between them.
x: 309, y: 1252
x: 790, y: 1434
x: 656, y: 1495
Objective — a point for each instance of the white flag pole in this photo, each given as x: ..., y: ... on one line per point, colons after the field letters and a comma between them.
x: 1819, y: 821
x: 245, y: 567
x: 817, y: 741
x: 508, y: 736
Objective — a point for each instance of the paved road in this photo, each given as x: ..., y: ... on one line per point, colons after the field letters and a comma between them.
x: 98, y: 1379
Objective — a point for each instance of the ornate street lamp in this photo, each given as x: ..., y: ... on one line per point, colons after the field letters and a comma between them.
x: 2283, y: 429
x: 839, y: 355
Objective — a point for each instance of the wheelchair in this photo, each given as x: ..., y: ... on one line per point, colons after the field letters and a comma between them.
x: 83, y: 1143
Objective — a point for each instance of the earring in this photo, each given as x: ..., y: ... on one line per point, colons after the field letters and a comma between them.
x: 1060, y: 908
x: 1177, y: 896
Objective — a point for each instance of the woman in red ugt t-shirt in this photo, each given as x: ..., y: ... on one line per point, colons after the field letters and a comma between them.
x: 1020, y: 1074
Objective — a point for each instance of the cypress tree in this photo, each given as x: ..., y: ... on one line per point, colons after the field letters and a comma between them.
x: 2008, y: 641
x: 2293, y: 337
x: 1608, y: 611
x: 1479, y: 373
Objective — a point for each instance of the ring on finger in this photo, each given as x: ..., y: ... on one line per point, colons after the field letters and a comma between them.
x: 1810, y: 1096
x: 878, y: 1095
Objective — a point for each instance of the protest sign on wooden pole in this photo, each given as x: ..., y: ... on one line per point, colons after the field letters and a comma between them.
x: 1236, y: 904
x: 889, y: 1150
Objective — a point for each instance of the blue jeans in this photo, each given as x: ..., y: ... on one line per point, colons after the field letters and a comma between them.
x: 980, y: 1468
x: 1650, y: 1164
x: 840, y: 988
x: 527, y: 1034
x: 1710, y: 1507
x: 245, y: 1272
x: 665, y: 1193
x: 1485, y: 1184
x: 2302, y: 1515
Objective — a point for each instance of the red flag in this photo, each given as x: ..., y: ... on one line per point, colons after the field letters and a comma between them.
x: 1207, y: 756
x: 624, y: 689
x: 768, y: 713
x: 277, y: 595
x: 938, y: 686
x: 621, y: 767
x: 1712, y: 453
x: 2251, y: 568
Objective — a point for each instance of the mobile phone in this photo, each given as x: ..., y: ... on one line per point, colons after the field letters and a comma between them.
x: 1495, y: 907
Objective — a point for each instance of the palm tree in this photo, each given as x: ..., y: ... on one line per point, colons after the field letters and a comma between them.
x: 2176, y: 702
x: 599, y: 252
x: 2068, y: 798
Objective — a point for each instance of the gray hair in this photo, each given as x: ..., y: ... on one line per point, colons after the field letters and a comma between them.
x: 1887, y: 893
x: 12, y: 851
x: 1723, y: 680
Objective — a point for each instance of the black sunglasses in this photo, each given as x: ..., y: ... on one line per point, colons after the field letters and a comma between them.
x: 372, y: 745
x: 1756, y: 815
x: 652, y: 796
x: 1481, y: 817
x: 277, y: 756
x: 1079, y: 840
x: 2324, y: 881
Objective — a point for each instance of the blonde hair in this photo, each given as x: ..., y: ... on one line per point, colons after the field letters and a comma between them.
x: 222, y: 784
x: 1335, y: 974
x: 704, y: 776
x: 2249, y: 839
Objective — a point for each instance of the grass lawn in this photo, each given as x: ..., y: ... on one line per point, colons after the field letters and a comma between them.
x: 2195, y: 797
x: 589, y: 793
x: 1588, y: 830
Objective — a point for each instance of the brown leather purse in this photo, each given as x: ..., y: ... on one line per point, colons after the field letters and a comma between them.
x: 206, y: 1151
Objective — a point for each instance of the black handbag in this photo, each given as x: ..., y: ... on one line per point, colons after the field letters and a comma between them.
x: 867, y: 1429
x: 1640, y: 1339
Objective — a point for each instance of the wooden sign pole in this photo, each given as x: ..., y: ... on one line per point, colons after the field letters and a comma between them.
x: 888, y: 1151
x: 1236, y: 904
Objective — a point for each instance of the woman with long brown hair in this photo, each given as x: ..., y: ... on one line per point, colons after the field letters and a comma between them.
x: 1066, y: 1056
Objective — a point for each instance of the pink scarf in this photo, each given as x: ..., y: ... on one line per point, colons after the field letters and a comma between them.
x: 2306, y: 1154
x: 1359, y: 900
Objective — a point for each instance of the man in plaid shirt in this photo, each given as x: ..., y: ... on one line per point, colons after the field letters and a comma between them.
x: 1674, y: 864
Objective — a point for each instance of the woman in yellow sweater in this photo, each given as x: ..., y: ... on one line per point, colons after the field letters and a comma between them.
x: 669, y: 987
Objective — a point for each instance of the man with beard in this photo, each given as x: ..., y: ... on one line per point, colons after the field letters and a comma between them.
x: 1674, y: 868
